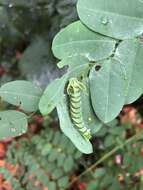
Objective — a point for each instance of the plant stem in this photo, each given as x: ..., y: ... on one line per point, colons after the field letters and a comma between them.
x: 106, y: 156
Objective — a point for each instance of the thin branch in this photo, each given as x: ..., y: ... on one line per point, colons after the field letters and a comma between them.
x: 106, y: 156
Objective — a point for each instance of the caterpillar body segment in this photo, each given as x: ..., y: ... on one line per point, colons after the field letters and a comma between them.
x: 74, y: 89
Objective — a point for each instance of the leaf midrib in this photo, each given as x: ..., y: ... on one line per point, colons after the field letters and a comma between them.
x: 84, y: 41
x: 107, y: 99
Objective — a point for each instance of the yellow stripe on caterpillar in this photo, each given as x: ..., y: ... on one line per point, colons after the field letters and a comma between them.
x: 74, y: 91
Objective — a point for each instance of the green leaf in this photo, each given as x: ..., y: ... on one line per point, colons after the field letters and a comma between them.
x: 117, y: 131
x: 12, y: 124
x: 61, y: 159
x: 90, y: 119
x: 76, y: 39
x: 56, y: 138
x: 68, y: 164
x: 57, y: 173
x: 103, y: 131
x: 130, y: 55
x: 109, y: 141
x: 107, y: 89
x: 63, y: 182
x: 21, y: 93
x: 127, y: 159
x: 46, y: 149
x: 115, y: 184
x: 106, y: 180
x: 94, y: 185
x: 52, y: 95
x: 53, y: 155
x: 52, y: 185
x: 70, y: 131
x: 117, y: 19
x: 99, y: 172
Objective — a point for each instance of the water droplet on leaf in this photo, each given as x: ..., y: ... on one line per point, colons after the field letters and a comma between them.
x: 13, y: 129
x: 104, y: 20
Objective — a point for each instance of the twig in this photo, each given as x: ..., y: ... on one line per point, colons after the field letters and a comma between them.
x: 106, y: 156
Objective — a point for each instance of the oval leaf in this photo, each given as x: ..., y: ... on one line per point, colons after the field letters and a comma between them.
x: 70, y: 131
x: 12, y: 124
x: 107, y: 89
x: 52, y: 95
x: 21, y: 93
x: 118, y: 19
x: 130, y: 55
x: 90, y: 119
x: 76, y: 39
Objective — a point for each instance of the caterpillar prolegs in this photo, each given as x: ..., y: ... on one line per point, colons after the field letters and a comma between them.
x: 74, y: 89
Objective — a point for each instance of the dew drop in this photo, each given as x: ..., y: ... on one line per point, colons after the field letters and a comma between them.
x: 13, y: 129
x: 104, y: 20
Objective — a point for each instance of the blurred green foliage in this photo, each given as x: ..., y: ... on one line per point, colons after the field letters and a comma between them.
x: 123, y: 169
x: 29, y: 27
x: 47, y: 159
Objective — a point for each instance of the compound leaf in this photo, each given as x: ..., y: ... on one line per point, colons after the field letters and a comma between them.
x: 117, y: 19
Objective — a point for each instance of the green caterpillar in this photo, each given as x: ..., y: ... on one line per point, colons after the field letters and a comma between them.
x: 74, y: 91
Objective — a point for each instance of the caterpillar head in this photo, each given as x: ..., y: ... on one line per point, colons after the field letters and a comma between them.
x: 87, y: 135
x: 75, y: 85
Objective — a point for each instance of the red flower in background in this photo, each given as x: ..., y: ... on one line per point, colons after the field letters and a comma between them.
x: 2, y: 150
x: 82, y: 186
